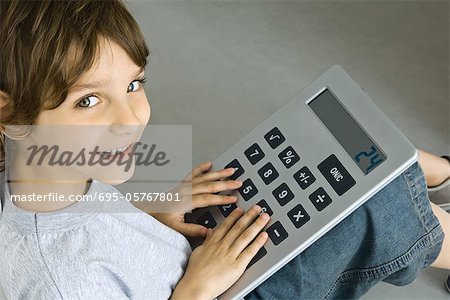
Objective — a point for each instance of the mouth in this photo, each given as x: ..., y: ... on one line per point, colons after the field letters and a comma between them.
x: 117, y: 151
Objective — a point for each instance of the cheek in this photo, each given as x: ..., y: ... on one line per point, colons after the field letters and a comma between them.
x: 143, y: 110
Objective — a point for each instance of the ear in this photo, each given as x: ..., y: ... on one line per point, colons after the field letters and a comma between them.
x: 4, y: 98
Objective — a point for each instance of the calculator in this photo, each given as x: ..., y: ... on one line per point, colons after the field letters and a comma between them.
x: 309, y: 165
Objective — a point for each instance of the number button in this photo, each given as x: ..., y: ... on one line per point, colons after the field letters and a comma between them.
x: 254, y: 153
x: 320, y: 199
x: 248, y: 189
x: 283, y: 194
x: 274, y: 137
x: 227, y: 209
x: 298, y: 216
x: 207, y: 220
x: 277, y: 233
x: 268, y: 173
x: 260, y: 254
x: 235, y: 164
x: 265, y: 207
x: 289, y: 157
x: 304, y: 178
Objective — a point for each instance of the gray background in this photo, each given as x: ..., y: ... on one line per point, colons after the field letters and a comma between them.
x: 225, y: 66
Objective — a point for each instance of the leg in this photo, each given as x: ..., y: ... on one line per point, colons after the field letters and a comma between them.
x: 443, y: 260
x: 435, y: 168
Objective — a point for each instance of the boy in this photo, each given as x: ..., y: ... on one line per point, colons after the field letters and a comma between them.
x: 52, y: 48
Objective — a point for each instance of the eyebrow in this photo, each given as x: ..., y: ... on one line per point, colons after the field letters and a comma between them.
x: 96, y: 84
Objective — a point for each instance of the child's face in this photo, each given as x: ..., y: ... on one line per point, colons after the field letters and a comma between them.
x: 114, y: 96
x: 109, y: 94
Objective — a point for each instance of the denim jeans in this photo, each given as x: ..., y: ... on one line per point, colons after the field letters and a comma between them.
x: 390, y: 238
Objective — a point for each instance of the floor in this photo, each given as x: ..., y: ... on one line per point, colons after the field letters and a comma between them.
x: 224, y: 66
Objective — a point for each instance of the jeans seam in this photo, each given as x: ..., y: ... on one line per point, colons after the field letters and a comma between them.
x: 394, y: 265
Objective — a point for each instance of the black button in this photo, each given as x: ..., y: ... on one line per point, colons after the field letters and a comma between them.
x: 248, y: 189
x: 235, y: 164
x: 227, y: 209
x: 262, y: 251
x: 298, y: 216
x: 268, y: 173
x: 277, y: 233
x: 304, y: 178
x: 207, y: 220
x: 274, y: 137
x: 254, y: 153
x: 289, y: 157
x: 265, y: 207
x: 283, y: 194
x: 320, y: 199
x: 336, y: 175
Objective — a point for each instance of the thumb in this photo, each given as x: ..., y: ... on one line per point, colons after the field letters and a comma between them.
x: 192, y: 230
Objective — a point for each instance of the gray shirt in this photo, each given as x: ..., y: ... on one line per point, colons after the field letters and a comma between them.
x: 86, y: 251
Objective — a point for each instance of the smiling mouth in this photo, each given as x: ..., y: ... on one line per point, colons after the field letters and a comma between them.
x: 125, y: 149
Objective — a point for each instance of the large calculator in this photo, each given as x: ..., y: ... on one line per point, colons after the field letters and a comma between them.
x: 309, y: 165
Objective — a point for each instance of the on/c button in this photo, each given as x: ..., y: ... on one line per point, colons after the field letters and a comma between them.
x: 336, y: 175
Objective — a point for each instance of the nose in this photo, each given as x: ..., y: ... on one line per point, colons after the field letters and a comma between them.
x: 125, y: 119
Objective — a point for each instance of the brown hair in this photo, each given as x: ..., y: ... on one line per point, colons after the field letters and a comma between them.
x: 36, y: 38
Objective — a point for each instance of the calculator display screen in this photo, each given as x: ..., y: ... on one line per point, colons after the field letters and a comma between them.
x: 362, y: 149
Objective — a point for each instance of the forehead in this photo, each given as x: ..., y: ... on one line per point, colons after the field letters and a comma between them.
x: 110, y: 59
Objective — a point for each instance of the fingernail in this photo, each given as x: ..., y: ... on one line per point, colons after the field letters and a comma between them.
x: 235, y: 169
x: 257, y: 208
x: 265, y: 216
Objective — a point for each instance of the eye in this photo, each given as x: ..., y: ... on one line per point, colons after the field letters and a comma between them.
x: 88, y: 102
x: 134, y: 86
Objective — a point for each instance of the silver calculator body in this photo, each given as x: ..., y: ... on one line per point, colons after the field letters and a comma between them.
x: 309, y: 165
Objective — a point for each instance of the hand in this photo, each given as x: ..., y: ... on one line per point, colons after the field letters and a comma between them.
x: 203, y: 186
x: 218, y: 263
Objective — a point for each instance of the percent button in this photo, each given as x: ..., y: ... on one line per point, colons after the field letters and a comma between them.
x: 289, y: 157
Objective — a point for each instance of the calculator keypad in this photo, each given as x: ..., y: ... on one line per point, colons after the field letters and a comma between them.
x: 268, y: 173
x: 320, y: 199
x: 274, y: 137
x: 239, y: 169
x: 283, y: 194
x: 254, y: 153
x: 277, y: 233
x: 248, y: 189
x: 289, y: 157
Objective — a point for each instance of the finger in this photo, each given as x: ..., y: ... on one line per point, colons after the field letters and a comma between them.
x: 213, y: 176
x: 246, y: 256
x: 191, y: 230
x: 249, y: 234
x: 227, y: 224
x: 215, y: 187
x: 242, y: 224
x: 201, y: 168
x: 205, y: 200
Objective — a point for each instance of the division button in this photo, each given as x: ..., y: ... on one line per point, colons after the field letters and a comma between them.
x: 320, y: 199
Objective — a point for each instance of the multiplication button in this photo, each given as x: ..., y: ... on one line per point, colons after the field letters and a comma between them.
x: 320, y: 199
x: 254, y: 153
x: 304, y: 178
x: 336, y: 175
x: 298, y: 216
x: 277, y: 233
x: 248, y: 189
x: 239, y: 169
x: 268, y: 173
x: 274, y: 137
x: 289, y: 157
